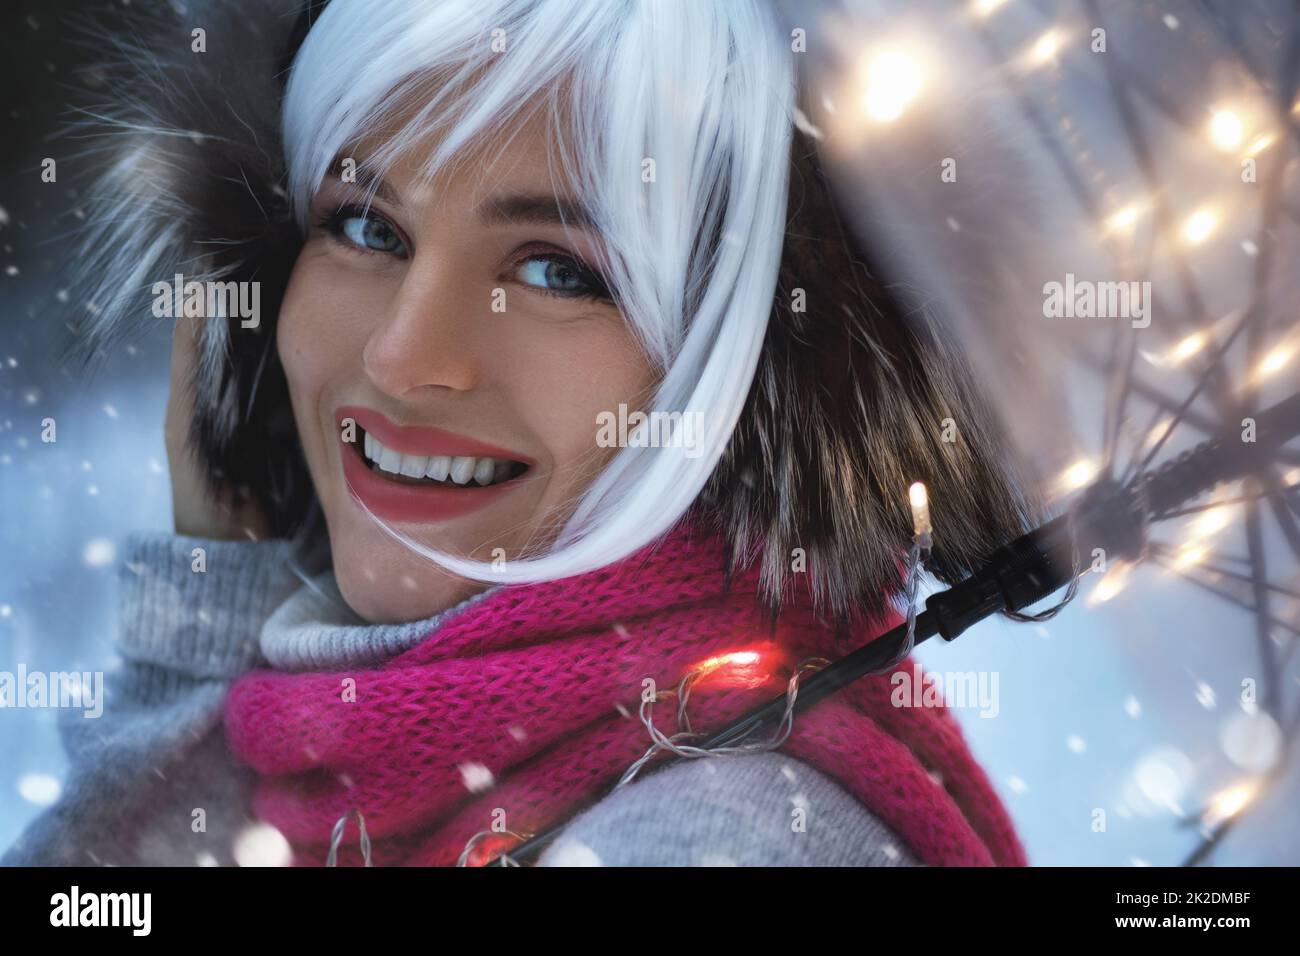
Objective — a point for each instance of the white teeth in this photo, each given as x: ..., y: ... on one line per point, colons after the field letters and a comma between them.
x: 462, y: 469
x: 413, y: 466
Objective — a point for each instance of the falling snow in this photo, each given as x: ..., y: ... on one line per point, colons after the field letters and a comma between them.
x: 39, y: 789
x: 476, y: 777
x: 261, y: 844
x: 571, y: 852
x: 98, y: 553
x: 1205, y: 695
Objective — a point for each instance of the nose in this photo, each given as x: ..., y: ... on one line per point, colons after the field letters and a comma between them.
x: 424, y: 340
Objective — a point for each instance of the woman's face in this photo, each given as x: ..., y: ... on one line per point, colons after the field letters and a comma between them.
x: 453, y: 332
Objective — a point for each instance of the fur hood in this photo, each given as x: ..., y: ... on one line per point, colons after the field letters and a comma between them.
x: 186, y: 175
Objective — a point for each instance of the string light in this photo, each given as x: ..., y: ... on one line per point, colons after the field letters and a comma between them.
x: 1124, y: 220
x: 920, y: 501
x: 1229, y: 802
x: 1212, y: 522
x: 986, y: 8
x: 1078, y: 474
x: 1226, y: 130
x: 894, y: 79
x: 734, y: 669
x: 487, y: 845
x: 1261, y: 142
x: 1275, y: 360
x: 1112, y: 583
x: 1190, y: 555
x: 1199, y: 226
x: 1187, y: 347
x: 1045, y: 48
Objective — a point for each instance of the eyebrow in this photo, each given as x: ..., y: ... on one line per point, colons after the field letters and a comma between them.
x: 536, y: 210
x: 367, y: 180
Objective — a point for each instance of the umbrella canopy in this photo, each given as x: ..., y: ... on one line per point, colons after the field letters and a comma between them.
x: 1101, y: 202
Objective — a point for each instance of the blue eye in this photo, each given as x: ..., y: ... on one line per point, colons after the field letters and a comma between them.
x: 561, y: 275
x: 371, y: 232
x: 363, y: 231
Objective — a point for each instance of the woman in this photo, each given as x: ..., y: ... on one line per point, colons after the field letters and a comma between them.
x: 491, y: 238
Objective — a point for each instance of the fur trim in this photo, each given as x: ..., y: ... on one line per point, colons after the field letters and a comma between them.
x: 845, y: 412
x: 847, y: 409
x: 188, y: 177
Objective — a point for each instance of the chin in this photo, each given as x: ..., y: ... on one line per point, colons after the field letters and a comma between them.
x: 384, y: 583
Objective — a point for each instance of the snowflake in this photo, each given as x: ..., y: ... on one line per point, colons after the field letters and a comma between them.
x: 573, y: 853
x: 98, y: 552
x: 262, y: 845
x: 39, y: 789
x: 1205, y: 695
x: 476, y: 777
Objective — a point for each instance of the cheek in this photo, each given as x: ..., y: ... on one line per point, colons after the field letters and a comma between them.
x: 312, y: 350
x: 317, y: 341
x: 565, y: 380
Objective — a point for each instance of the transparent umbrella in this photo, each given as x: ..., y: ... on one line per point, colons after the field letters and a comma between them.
x: 1101, y: 200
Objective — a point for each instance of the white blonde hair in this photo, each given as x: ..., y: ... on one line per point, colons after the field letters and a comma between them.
x: 705, y: 89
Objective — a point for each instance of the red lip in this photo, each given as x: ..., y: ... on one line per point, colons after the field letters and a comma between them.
x: 395, y: 501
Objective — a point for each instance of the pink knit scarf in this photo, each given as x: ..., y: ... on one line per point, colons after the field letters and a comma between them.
x: 527, y: 700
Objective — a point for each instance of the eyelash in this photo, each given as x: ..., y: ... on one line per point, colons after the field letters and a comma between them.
x: 333, y: 223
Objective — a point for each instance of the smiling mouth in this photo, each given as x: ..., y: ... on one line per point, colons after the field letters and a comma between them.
x: 433, y: 471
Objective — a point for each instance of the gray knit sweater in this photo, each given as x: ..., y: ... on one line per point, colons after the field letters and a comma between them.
x: 152, y: 781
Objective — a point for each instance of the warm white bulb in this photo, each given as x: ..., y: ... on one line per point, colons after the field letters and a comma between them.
x: 920, y: 501
x: 1078, y: 474
x: 1228, y: 803
x: 1110, y: 585
x: 1188, y: 347
x: 1199, y: 226
x: 1226, y: 130
x: 1124, y: 220
x: 1046, y: 47
x: 1276, y: 360
x: 1212, y: 521
x: 1260, y: 143
x: 894, y: 80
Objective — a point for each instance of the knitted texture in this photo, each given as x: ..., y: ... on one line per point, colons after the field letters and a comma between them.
x: 527, y: 702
